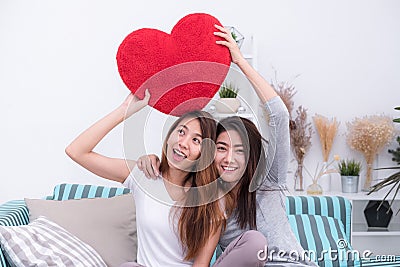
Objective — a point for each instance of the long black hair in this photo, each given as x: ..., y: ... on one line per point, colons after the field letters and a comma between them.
x: 244, y: 204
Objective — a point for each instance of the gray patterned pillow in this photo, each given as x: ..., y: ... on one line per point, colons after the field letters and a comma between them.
x: 44, y: 243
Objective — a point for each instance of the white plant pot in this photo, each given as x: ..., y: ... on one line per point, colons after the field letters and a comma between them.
x: 227, y: 105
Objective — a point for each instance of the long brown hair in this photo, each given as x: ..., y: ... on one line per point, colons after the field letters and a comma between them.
x: 200, y: 215
x: 245, y: 210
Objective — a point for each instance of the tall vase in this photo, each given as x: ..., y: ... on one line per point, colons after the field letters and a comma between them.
x: 298, y: 176
x: 325, y: 180
x: 369, y: 173
x: 368, y: 178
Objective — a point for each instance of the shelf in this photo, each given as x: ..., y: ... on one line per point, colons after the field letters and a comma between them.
x: 226, y: 115
x: 219, y: 116
x: 361, y: 229
x: 248, y: 56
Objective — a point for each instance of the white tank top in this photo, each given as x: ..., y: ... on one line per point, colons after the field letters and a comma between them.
x: 158, y: 242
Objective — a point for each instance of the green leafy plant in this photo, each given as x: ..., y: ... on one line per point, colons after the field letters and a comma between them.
x: 394, y: 179
x: 228, y: 91
x: 349, y: 167
x: 234, y: 36
x: 396, y: 152
x: 398, y: 119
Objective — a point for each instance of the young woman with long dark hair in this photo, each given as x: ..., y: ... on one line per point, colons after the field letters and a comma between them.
x: 170, y: 232
x: 259, y: 174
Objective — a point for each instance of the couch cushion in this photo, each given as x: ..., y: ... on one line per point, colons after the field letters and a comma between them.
x: 326, y: 236
x: 44, y: 243
x: 12, y: 213
x: 106, y: 224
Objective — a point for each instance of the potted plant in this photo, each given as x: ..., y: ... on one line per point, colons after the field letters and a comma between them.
x: 236, y: 35
x: 228, y: 102
x: 379, y: 213
x: 394, y: 179
x: 350, y: 173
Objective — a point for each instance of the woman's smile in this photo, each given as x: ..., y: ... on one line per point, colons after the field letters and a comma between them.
x: 230, y: 158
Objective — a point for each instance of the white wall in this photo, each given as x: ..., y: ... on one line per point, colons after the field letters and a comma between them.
x: 58, y: 72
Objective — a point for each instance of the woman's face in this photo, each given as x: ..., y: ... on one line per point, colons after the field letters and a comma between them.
x: 230, y: 158
x: 184, y: 144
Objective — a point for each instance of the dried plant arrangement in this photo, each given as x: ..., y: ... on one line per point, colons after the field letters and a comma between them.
x: 300, y: 128
x: 369, y: 135
x: 286, y: 91
x: 327, y: 130
x: 300, y: 139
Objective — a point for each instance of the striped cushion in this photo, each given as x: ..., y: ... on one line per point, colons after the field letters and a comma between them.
x: 12, y: 213
x: 329, y: 206
x: 317, y: 234
x: 44, y: 243
x: 76, y: 191
x: 3, y: 262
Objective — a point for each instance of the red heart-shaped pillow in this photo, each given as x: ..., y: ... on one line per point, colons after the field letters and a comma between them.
x: 182, y: 70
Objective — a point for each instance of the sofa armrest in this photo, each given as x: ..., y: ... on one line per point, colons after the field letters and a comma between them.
x: 12, y: 213
x: 330, y: 206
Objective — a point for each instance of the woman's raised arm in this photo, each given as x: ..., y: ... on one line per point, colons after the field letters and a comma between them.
x: 81, y: 149
x: 263, y: 89
x: 277, y: 155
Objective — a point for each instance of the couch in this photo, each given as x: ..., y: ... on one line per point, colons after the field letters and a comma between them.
x: 321, y: 223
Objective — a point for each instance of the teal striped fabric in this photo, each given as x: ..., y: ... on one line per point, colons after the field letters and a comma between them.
x: 3, y: 262
x: 12, y: 213
x: 76, y: 191
x: 322, y: 224
x: 329, y: 206
x: 324, y: 240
